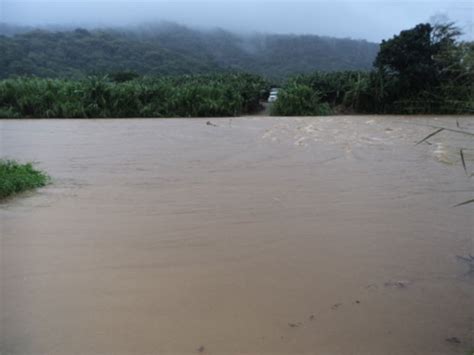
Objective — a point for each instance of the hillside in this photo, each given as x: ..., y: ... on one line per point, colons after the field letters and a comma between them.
x: 173, y: 49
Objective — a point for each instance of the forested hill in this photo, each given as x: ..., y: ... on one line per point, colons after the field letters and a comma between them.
x: 173, y: 49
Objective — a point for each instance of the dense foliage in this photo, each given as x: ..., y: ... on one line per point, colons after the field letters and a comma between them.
x: 169, y: 49
x: 421, y: 70
x: 345, y: 90
x: 15, y: 178
x: 300, y: 100
x: 180, y: 96
x: 425, y: 69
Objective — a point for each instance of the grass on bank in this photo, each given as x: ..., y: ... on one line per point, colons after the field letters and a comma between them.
x: 16, y: 177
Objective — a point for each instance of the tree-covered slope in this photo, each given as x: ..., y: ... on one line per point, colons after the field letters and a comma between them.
x: 173, y: 49
x: 73, y: 54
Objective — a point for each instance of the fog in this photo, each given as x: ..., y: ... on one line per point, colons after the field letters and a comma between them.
x: 371, y: 20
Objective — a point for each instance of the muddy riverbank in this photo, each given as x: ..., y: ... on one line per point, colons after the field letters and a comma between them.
x: 252, y: 235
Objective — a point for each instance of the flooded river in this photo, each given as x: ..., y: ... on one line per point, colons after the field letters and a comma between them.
x: 259, y: 235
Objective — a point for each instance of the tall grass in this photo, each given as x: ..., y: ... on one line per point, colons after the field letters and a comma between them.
x: 182, y: 96
x: 16, y: 177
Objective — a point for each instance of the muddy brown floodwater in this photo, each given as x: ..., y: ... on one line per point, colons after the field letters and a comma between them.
x: 259, y: 235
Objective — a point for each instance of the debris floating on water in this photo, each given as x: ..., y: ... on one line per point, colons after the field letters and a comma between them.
x: 201, y: 349
x: 430, y: 135
x: 461, y: 153
x: 397, y: 284
x: 464, y: 203
x: 453, y: 340
x: 470, y: 262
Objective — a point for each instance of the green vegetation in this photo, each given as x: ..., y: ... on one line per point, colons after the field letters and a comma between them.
x: 340, y: 91
x: 425, y: 69
x: 181, y: 96
x: 169, y: 49
x: 300, y: 100
x: 15, y: 178
x: 421, y: 70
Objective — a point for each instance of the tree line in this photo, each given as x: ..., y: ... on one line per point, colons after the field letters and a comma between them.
x: 426, y: 69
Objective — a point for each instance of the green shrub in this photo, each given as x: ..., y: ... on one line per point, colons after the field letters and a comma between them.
x: 15, y: 178
x: 299, y: 100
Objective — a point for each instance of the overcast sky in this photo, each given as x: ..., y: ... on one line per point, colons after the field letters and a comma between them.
x: 371, y: 20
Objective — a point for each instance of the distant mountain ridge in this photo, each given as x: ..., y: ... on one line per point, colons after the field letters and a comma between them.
x: 169, y: 49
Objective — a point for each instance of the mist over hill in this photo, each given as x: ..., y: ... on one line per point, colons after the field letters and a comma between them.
x: 169, y: 49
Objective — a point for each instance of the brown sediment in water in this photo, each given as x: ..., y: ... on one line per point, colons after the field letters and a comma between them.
x: 330, y: 235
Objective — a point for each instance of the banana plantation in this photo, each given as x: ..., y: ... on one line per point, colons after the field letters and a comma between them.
x: 181, y: 96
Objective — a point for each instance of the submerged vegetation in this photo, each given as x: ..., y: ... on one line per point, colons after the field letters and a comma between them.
x: 426, y: 69
x: 16, y: 177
